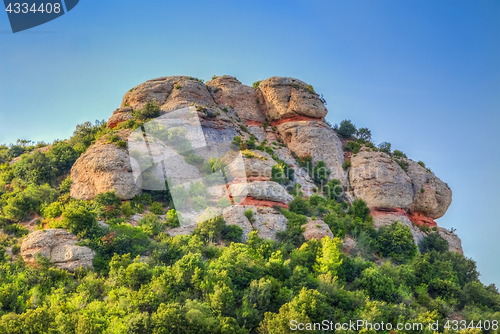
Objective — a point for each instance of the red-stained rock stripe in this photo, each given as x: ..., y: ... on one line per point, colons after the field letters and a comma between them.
x: 296, y: 119
x: 416, y: 218
x: 259, y: 202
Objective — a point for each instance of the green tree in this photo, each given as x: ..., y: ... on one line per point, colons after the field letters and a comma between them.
x: 62, y: 156
x: 346, y: 129
x: 365, y: 134
x: 396, y: 241
x: 35, y: 168
x: 385, y: 147
x: 329, y: 260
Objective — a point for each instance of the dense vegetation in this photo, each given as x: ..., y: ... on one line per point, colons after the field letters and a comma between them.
x: 145, y: 281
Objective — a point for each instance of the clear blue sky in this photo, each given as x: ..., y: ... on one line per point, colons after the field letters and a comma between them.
x: 423, y: 75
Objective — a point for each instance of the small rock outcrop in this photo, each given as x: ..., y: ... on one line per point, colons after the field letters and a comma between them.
x: 59, y: 246
x: 454, y: 242
x: 267, y: 221
x: 316, y: 229
x: 379, y: 181
x: 288, y: 97
x: 119, y: 115
x: 228, y: 92
x: 316, y: 140
x: 104, y: 167
x: 262, y: 190
x: 432, y: 196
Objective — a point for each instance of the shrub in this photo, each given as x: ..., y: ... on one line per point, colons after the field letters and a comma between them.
x: 232, y: 233
x: 173, y: 219
x: 149, y: 110
x: 256, y: 84
x: 333, y: 189
x: 421, y: 163
x: 156, y: 208
x: 35, y: 168
x: 402, y: 164
x: 346, y: 129
x: 310, y: 89
x: 79, y: 219
x: 249, y: 214
x: 16, y: 230
x: 65, y: 185
x: 433, y: 241
x: 53, y: 210
x: 121, y: 144
x: 396, y: 241
x: 16, y: 249
x: 385, y: 147
x: 353, y: 147
x: 398, y: 154
x: 238, y: 142
x: 150, y: 224
x: 321, y: 173
x: 346, y: 164
x: 62, y: 156
x: 127, y: 209
x: 299, y: 206
x: 336, y: 225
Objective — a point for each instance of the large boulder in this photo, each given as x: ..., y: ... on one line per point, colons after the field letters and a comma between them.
x: 104, y: 167
x: 288, y: 97
x: 317, y: 140
x: 170, y: 93
x: 316, y: 229
x: 267, y: 221
x: 432, y: 196
x: 261, y: 190
x: 59, y: 246
x: 228, y: 92
x: 379, y: 181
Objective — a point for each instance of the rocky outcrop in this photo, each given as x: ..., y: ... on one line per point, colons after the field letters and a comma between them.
x: 228, y: 92
x: 288, y: 97
x: 120, y: 115
x: 261, y: 190
x: 104, y: 167
x: 59, y: 246
x: 454, y: 242
x: 267, y: 221
x: 379, y: 181
x: 259, y: 166
x: 170, y: 93
x: 432, y: 196
x: 317, y: 140
x: 316, y: 229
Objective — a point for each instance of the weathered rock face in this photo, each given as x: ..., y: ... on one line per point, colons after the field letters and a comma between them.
x: 120, y: 115
x: 267, y: 221
x: 104, y: 167
x: 288, y: 97
x: 59, y: 246
x: 435, y: 198
x: 228, y: 92
x: 315, y: 139
x: 260, y: 166
x: 170, y: 93
x: 379, y: 181
x: 454, y: 242
x: 316, y: 229
x: 262, y: 190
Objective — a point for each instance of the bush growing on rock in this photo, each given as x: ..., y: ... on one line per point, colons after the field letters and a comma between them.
x: 299, y: 206
x: 173, y: 218
x: 399, y: 155
x: 385, y: 147
x: 346, y: 129
x: 148, y: 111
x: 150, y: 224
x: 365, y: 134
x: 320, y: 173
x: 353, y: 147
x: 156, y: 208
